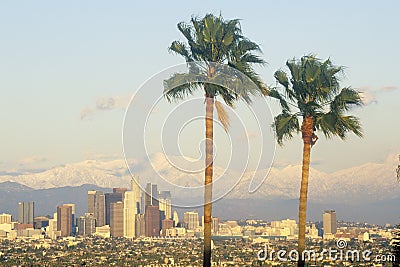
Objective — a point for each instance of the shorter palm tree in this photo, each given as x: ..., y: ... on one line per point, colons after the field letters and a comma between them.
x: 313, y: 94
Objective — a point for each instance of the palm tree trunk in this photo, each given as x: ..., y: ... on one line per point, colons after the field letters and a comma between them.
x: 307, y: 130
x: 208, y: 182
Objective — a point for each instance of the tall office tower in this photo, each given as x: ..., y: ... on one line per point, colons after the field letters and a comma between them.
x: 120, y: 190
x: 140, y: 225
x: 151, y: 195
x: 162, y: 216
x: 52, y: 230
x: 152, y: 220
x: 110, y: 198
x: 86, y: 225
x: 26, y: 211
x: 117, y: 219
x: 176, y: 218
x: 130, y: 211
x: 73, y: 216
x: 138, y: 194
x: 191, y: 220
x: 329, y: 221
x: 5, y: 218
x: 97, y: 206
x: 165, y: 203
x: 215, y: 224
x: 91, y: 201
x: 100, y: 209
x: 166, y: 224
x: 64, y: 220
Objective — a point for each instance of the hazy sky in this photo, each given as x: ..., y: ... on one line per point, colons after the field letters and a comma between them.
x: 62, y: 61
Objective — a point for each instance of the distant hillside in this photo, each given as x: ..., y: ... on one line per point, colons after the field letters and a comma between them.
x: 46, y: 200
x: 367, y: 183
x: 9, y: 187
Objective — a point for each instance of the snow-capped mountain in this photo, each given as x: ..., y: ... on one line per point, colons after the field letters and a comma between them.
x: 101, y: 173
x: 365, y: 183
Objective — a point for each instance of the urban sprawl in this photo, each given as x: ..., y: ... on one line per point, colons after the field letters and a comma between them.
x: 133, y: 228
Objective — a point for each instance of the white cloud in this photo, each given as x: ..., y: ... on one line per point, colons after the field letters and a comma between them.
x: 86, y: 112
x: 369, y: 97
x: 388, y: 88
x: 104, y: 104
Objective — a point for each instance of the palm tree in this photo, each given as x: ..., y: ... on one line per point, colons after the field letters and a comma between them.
x: 313, y: 93
x: 215, y: 49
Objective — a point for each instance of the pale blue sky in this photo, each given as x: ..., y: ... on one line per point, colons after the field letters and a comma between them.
x: 58, y: 57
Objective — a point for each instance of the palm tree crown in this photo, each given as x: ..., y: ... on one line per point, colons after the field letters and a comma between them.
x: 212, y: 42
x: 313, y: 91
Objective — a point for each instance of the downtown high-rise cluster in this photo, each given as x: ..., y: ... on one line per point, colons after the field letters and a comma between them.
x: 123, y: 212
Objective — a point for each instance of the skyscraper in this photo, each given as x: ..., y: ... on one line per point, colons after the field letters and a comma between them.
x: 130, y: 211
x: 97, y: 206
x: 138, y: 195
x: 114, y: 197
x: 151, y: 195
x: 100, y: 209
x: 215, y: 224
x: 64, y: 220
x: 191, y: 220
x: 165, y: 203
x: 120, y: 190
x: 91, y: 201
x: 152, y: 220
x: 73, y: 216
x: 117, y: 219
x: 86, y: 225
x: 176, y: 218
x: 26, y: 211
x: 140, y: 225
x: 166, y: 224
x: 329, y: 221
x: 5, y: 218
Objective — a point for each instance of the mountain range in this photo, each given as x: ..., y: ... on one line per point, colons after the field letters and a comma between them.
x: 366, y: 191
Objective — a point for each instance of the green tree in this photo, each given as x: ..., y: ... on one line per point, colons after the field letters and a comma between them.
x: 312, y: 93
x: 216, y: 51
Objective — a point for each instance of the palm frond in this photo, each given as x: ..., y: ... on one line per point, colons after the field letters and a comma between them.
x: 223, y: 116
x: 333, y: 124
x: 284, y: 104
x: 347, y: 98
x: 285, y: 125
x: 181, y: 85
x: 181, y: 49
x: 282, y: 78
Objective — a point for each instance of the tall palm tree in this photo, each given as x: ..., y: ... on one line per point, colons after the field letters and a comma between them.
x: 214, y: 47
x: 313, y: 93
